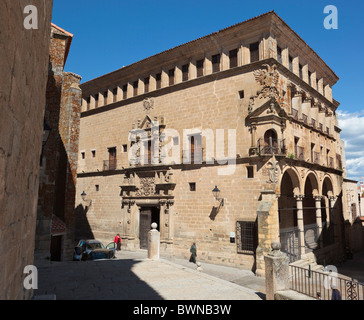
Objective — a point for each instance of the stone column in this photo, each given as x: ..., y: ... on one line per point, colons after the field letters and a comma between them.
x: 306, y: 108
x: 178, y: 74
x: 268, y: 228
x: 300, y: 223
x: 192, y: 71
x: 320, y: 86
x: 162, y: 219
x: 297, y: 103
x: 285, y: 57
x: 153, y: 243
x: 319, y: 219
x: 245, y: 53
x: 276, y: 271
x: 334, y: 222
x: 253, y: 149
x: 119, y: 93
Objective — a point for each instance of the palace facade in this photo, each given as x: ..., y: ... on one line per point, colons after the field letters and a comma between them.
x: 249, y: 110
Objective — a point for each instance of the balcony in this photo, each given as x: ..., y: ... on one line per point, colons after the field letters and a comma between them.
x: 109, y: 165
x: 299, y: 153
x: 272, y: 146
x: 193, y: 156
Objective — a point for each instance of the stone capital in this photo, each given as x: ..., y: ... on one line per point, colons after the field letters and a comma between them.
x: 299, y: 197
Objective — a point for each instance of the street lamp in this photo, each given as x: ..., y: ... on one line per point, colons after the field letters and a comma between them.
x: 84, y: 198
x: 216, y: 193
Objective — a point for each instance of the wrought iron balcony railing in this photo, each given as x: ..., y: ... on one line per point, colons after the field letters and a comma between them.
x: 110, y: 165
x: 272, y: 146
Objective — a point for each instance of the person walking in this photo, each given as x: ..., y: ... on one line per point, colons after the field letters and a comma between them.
x: 117, y: 241
x: 193, y: 251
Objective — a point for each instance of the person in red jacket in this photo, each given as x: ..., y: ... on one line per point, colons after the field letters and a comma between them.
x: 117, y: 240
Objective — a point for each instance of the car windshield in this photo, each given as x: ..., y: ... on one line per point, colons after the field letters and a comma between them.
x: 95, y: 245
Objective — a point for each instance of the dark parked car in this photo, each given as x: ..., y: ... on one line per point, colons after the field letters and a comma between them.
x: 93, y: 250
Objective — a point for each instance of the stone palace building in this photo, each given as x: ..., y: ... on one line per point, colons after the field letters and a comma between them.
x: 247, y: 111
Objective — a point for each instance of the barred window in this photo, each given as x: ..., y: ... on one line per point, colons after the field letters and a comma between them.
x: 247, y: 236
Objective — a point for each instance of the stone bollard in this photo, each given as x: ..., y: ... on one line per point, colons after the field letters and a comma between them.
x: 276, y: 271
x: 153, y: 243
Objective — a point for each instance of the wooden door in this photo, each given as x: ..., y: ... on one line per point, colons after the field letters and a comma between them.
x: 145, y: 222
x: 112, y: 158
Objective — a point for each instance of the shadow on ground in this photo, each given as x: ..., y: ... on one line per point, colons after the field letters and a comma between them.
x: 94, y: 280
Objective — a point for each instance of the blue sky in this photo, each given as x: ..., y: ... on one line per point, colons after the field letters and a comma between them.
x: 109, y: 34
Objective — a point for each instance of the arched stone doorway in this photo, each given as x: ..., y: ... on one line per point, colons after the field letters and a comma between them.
x: 312, y: 227
x: 327, y: 212
x: 288, y: 218
x: 270, y: 142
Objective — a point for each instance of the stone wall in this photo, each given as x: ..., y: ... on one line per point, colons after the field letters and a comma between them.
x: 60, y: 153
x: 23, y: 65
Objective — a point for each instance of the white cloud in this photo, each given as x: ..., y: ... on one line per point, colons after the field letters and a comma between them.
x: 352, y: 126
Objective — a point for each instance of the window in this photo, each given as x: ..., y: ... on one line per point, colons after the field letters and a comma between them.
x: 158, y: 79
x: 106, y: 93
x: 171, y: 77
x: 185, y: 72
x: 112, y: 158
x: 199, y: 66
x: 254, y: 52
x: 82, y: 155
x: 115, y: 94
x: 290, y: 60
x: 216, y: 63
x: 250, y: 172
x: 135, y: 88
x: 125, y: 148
x: 146, y: 85
x: 125, y: 91
x: 192, y: 186
x: 96, y: 101
x: 93, y: 152
x: 279, y: 54
x: 196, y: 149
x: 241, y: 94
x: 246, y: 236
x: 300, y: 71
x: 309, y: 77
x: 97, y: 187
x: 88, y: 103
x: 233, y: 58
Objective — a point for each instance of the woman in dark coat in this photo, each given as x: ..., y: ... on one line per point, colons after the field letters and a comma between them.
x: 193, y: 251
